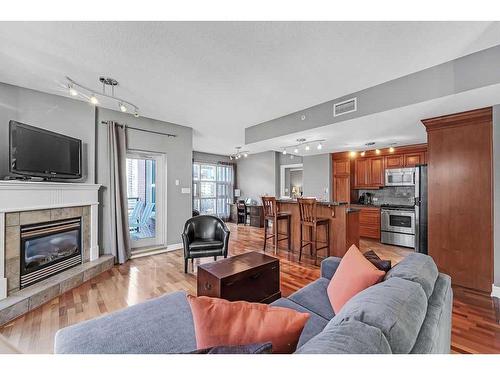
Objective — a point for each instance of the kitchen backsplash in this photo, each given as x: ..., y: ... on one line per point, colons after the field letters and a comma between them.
x: 397, y: 195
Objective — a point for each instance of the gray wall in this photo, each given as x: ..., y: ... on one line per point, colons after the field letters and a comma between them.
x: 256, y: 175
x: 496, y: 193
x: 211, y: 158
x: 56, y: 113
x: 317, y: 176
x: 477, y: 70
x: 179, y: 153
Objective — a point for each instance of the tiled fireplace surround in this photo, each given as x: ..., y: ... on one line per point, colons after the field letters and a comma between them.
x: 23, y: 203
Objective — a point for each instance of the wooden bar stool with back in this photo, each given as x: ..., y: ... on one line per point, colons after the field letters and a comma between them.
x: 271, y: 213
x: 309, y: 219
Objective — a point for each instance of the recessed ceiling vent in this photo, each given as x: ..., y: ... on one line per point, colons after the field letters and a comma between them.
x: 347, y: 106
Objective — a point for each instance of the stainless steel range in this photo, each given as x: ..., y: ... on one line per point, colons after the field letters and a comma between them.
x: 397, y: 225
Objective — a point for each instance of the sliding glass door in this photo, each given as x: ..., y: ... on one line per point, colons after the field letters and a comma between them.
x: 145, y: 203
x: 212, y: 188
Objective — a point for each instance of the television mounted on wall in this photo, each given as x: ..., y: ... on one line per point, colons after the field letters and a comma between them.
x: 36, y: 152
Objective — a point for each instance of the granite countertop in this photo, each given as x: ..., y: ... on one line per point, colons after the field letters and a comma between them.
x: 359, y: 205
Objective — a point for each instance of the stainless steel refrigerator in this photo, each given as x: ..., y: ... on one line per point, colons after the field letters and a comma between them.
x: 421, y: 198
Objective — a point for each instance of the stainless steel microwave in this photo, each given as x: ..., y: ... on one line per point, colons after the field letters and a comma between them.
x: 400, y: 177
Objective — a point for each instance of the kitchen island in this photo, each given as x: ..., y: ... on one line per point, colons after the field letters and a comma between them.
x: 344, y: 226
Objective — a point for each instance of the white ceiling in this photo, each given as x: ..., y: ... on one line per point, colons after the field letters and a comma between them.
x: 221, y: 77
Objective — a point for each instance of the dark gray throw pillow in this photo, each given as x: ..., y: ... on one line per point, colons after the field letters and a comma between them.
x: 383, y: 265
x: 260, y: 348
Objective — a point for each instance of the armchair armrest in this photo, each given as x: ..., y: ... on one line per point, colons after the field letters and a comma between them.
x: 329, y: 266
x: 223, y: 235
x: 187, y: 237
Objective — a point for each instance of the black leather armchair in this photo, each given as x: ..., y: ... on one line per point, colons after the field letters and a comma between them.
x: 204, y: 236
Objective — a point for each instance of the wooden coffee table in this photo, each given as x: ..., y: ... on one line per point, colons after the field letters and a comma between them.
x: 251, y: 277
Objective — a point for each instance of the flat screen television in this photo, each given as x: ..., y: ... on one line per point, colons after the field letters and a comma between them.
x: 36, y: 152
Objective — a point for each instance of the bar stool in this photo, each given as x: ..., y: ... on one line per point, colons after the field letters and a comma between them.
x: 271, y: 213
x: 308, y: 219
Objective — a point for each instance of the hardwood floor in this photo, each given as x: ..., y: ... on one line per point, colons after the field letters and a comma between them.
x: 474, y: 323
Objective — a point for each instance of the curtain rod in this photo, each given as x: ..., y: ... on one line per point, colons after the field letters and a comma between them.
x: 143, y: 130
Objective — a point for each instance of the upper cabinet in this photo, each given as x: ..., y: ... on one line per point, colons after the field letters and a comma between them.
x: 369, y: 173
x: 413, y: 159
x: 341, y: 167
x: 394, y: 161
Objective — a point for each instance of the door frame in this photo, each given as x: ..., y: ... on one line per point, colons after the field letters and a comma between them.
x: 160, y: 240
x: 282, y: 175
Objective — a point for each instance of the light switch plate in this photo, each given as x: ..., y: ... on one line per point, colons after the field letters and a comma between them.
x: 186, y: 190
x: 177, y: 182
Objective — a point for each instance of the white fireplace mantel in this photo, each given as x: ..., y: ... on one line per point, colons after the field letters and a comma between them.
x: 16, y: 196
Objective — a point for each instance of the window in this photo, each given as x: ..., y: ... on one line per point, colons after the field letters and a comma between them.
x: 212, y: 189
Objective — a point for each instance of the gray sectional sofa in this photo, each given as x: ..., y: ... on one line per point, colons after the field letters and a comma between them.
x: 409, y: 312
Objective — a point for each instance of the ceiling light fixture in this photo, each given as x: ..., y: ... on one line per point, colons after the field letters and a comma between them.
x: 352, y: 154
x: 93, y: 100
x: 296, y: 150
x: 72, y: 90
x: 363, y: 153
x: 284, y: 151
x: 320, y: 146
x: 377, y: 151
x: 307, y: 147
x: 93, y: 96
x: 391, y: 149
x: 238, y: 154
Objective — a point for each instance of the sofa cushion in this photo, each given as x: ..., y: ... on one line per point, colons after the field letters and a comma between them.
x: 435, y: 334
x: 314, y: 325
x: 218, y: 322
x: 419, y: 268
x: 259, y: 348
x: 205, y: 245
x: 314, y: 298
x: 354, y: 274
x: 397, y: 307
x: 160, y: 325
x: 349, y: 337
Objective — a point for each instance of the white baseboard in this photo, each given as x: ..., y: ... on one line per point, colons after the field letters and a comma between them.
x: 495, y: 291
x: 155, y: 251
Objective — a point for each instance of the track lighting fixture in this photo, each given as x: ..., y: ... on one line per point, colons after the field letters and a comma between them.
x: 72, y: 90
x: 362, y: 153
x: 93, y: 96
x: 296, y: 150
x: 307, y: 148
x: 93, y: 100
x: 238, y: 154
x: 377, y: 151
x: 352, y: 154
x: 284, y: 152
x: 391, y: 149
x: 320, y: 146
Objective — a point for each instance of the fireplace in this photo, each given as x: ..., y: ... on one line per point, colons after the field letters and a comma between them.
x: 49, y: 248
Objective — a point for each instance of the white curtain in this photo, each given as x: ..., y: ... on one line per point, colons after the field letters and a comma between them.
x: 119, y: 231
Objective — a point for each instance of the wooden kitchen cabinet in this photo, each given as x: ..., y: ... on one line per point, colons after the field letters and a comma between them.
x: 361, y: 167
x: 369, y: 173
x: 369, y: 222
x: 394, y: 161
x: 343, y: 180
x: 376, y: 173
x: 342, y: 188
x: 410, y: 160
x: 341, y: 167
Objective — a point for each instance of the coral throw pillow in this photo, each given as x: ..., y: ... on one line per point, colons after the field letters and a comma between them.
x: 218, y: 322
x: 354, y: 274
